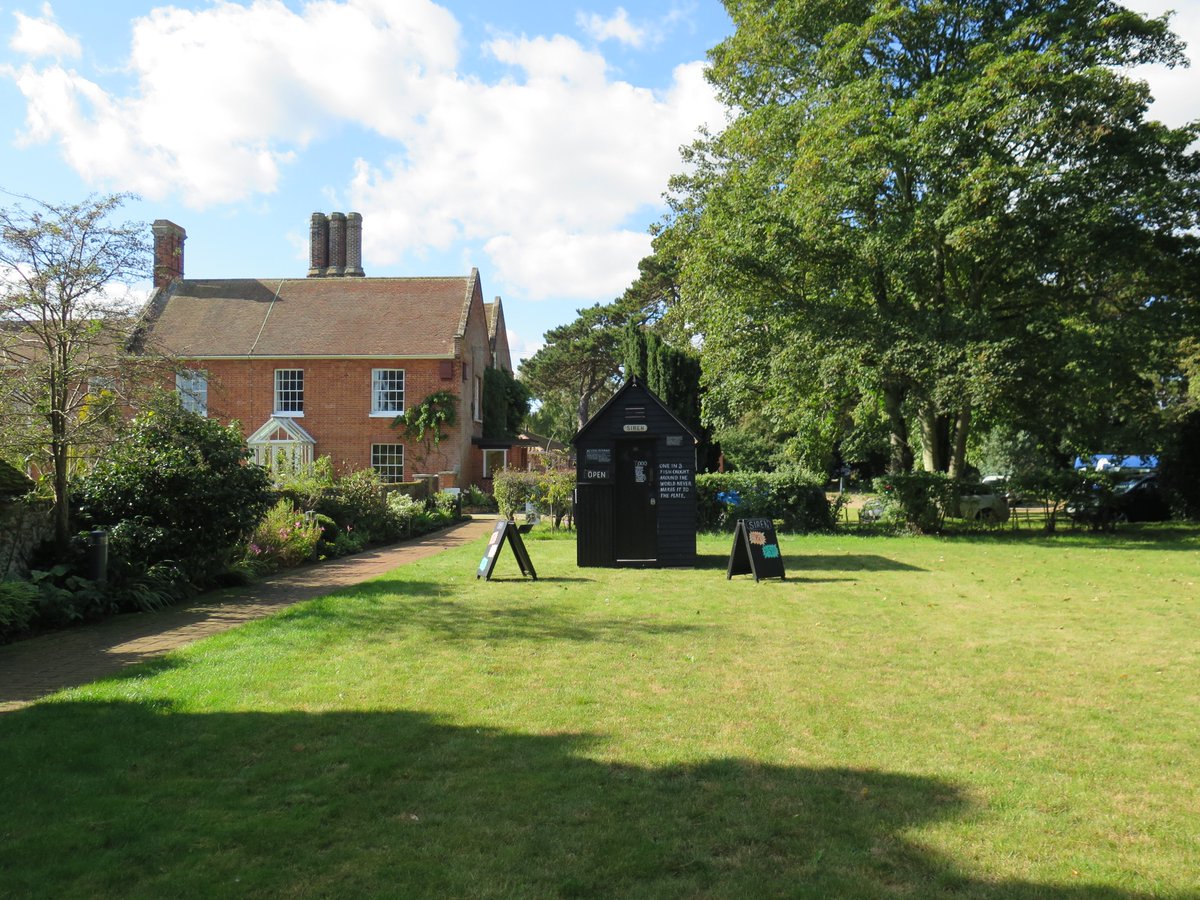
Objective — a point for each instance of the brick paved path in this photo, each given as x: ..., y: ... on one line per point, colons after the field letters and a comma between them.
x: 42, y: 665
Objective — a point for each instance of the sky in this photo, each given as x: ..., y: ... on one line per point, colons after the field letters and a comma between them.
x: 532, y: 140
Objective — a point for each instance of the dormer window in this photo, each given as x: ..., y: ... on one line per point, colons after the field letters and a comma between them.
x: 289, y: 392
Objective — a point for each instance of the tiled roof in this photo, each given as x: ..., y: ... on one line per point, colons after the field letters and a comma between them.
x: 290, y: 317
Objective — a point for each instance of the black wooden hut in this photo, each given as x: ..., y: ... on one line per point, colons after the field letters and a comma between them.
x: 635, y: 498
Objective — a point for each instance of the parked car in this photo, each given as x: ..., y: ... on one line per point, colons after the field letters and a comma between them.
x: 1137, y: 499
x: 976, y: 502
x: 980, y: 503
x: 999, y: 485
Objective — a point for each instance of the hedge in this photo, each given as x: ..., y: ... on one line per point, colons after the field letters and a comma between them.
x: 796, y: 500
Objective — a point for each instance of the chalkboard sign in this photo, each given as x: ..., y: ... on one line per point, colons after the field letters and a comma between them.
x: 505, y: 531
x: 755, y: 550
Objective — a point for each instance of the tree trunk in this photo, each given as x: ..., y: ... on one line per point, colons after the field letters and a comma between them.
x: 935, y: 438
x: 62, y: 496
x: 901, y: 452
x: 581, y: 412
x: 958, y: 452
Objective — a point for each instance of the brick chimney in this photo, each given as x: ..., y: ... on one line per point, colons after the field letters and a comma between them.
x: 354, y: 245
x: 318, y: 245
x: 335, y: 245
x: 168, y: 251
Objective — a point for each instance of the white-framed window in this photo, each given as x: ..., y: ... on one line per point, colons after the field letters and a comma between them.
x: 289, y: 392
x: 494, y: 461
x: 388, y: 461
x: 477, y: 400
x: 387, y: 392
x: 192, y: 386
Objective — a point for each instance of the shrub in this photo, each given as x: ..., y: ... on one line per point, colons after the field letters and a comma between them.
x: 18, y: 606
x: 66, y: 598
x: 795, y: 498
x: 161, y: 585
x: 549, y: 491
x: 305, y: 485
x: 285, y: 537
x: 558, y: 489
x: 177, y: 488
x: 477, y: 498
x: 513, y: 489
x: 358, y: 503
x: 1051, y: 488
x: 445, y: 503
x: 917, y: 500
x: 405, y: 510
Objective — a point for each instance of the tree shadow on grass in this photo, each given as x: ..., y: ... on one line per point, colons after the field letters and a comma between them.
x: 388, y: 607
x: 554, y: 579
x: 797, y: 563
x: 1150, y: 536
x: 139, y: 800
x: 848, y: 562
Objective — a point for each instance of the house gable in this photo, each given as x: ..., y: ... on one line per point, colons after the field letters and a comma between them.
x: 498, y: 336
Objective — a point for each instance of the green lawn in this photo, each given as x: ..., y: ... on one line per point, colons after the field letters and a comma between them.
x: 992, y: 715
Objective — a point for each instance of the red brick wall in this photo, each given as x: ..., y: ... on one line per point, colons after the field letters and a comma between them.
x: 477, y: 356
x: 337, y: 406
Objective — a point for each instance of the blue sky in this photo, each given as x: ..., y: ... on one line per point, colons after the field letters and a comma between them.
x: 532, y: 140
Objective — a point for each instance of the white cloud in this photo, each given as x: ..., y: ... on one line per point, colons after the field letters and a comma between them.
x: 43, y: 37
x: 567, y: 265
x: 616, y: 27
x: 546, y: 171
x: 1176, y: 100
x: 547, y: 168
x: 226, y: 95
x: 521, y: 348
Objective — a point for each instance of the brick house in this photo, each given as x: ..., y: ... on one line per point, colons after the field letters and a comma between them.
x: 321, y: 365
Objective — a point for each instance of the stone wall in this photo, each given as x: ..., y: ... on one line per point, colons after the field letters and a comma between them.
x: 24, y: 526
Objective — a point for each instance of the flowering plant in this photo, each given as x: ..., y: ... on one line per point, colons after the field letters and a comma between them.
x: 284, y: 537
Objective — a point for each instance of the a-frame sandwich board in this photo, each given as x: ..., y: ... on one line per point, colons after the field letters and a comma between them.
x: 505, y: 531
x: 755, y: 550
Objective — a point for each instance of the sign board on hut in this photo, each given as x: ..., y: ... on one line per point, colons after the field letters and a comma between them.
x: 755, y: 550
x: 505, y: 531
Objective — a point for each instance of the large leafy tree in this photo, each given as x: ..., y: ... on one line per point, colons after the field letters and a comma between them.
x: 941, y: 212
x: 65, y: 318
x: 580, y: 365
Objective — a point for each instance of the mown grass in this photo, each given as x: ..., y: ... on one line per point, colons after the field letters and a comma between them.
x: 980, y: 716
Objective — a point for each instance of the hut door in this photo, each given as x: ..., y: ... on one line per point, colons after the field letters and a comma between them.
x: 635, y: 524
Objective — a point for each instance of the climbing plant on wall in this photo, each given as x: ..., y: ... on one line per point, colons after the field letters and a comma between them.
x: 425, y: 421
